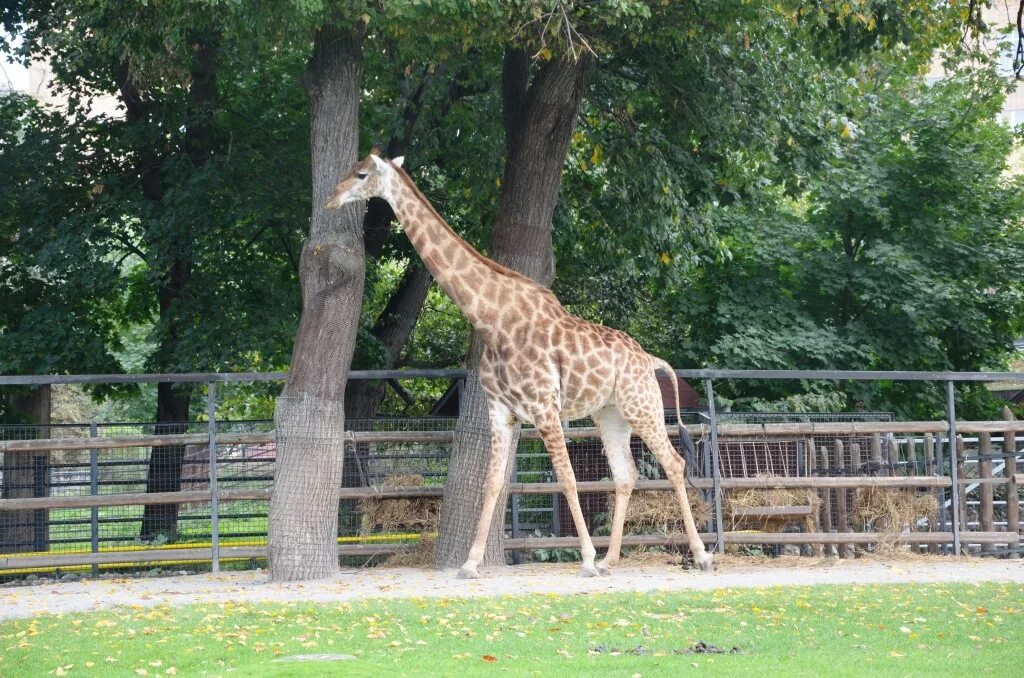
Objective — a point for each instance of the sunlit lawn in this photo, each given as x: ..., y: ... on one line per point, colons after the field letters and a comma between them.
x: 893, y: 630
x: 120, y: 525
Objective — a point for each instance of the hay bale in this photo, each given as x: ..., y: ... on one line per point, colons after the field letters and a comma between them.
x: 652, y: 555
x: 735, y: 502
x: 420, y: 555
x: 893, y: 510
x: 391, y: 514
x: 658, y: 511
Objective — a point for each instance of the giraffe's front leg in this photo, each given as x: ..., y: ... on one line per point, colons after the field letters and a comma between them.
x: 502, y: 429
x: 550, y: 427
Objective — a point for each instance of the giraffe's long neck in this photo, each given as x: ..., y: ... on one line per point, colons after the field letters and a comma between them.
x: 480, y: 288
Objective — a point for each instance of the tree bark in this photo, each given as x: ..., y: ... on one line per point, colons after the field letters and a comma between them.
x: 165, y: 462
x: 27, y: 474
x: 310, y: 414
x: 540, y: 116
x: 172, y: 405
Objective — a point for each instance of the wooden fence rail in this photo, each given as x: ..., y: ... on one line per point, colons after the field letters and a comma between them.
x: 881, y: 457
x: 407, y: 492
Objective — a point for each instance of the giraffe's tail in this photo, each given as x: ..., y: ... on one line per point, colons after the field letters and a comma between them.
x: 685, y: 440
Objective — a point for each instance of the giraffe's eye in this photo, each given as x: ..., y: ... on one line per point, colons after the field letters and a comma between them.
x: 360, y: 175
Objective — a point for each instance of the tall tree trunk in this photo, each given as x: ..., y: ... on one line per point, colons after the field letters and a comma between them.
x: 172, y: 401
x: 310, y: 414
x: 27, y: 474
x: 165, y: 462
x: 540, y: 116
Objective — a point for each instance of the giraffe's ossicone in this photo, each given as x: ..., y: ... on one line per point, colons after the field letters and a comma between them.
x: 540, y: 365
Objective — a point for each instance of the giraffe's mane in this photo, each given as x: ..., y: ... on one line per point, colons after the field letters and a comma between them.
x: 490, y: 263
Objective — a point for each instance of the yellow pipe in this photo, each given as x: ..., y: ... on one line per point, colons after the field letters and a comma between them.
x: 371, y: 539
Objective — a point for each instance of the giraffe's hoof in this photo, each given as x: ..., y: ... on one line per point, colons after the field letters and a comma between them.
x: 704, y: 561
x: 468, y: 573
x: 586, y: 571
x: 603, y: 570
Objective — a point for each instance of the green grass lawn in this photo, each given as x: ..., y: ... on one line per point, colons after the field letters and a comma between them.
x: 896, y: 630
x: 126, y: 532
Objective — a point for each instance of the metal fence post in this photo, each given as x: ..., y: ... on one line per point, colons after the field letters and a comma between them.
x: 715, y: 466
x: 211, y: 409
x: 94, y: 489
x: 516, y: 556
x: 955, y: 493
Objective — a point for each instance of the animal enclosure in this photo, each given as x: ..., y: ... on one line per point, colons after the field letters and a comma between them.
x: 74, y: 496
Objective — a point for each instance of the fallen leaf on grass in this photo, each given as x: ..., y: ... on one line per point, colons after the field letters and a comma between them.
x: 489, y: 658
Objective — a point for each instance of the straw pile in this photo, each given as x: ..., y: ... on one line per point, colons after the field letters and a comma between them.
x: 735, y: 502
x: 420, y: 555
x: 653, y: 555
x: 387, y: 514
x: 657, y: 511
x: 893, y: 510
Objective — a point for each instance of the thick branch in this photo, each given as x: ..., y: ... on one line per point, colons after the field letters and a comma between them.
x: 392, y: 330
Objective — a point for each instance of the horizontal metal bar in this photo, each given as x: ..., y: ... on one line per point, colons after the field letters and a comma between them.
x: 168, y: 440
x: 129, y: 557
x: 205, y: 377
x: 530, y: 543
x: 851, y: 375
x: 393, y: 437
x: 133, y: 499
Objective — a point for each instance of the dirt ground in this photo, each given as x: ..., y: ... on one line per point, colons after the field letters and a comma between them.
x: 254, y: 586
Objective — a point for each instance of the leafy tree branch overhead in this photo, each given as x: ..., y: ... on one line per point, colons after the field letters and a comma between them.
x: 717, y: 143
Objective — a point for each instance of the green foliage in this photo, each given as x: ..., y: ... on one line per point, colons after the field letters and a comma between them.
x: 686, y: 120
x: 105, y: 244
x: 56, y: 310
x: 901, y: 256
x: 750, y: 185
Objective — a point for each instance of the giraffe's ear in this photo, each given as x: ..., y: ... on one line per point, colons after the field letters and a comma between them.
x: 398, y: 161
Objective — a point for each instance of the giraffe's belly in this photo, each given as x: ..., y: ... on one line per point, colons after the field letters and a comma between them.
x: 582, y: 408
x: 584, y: 395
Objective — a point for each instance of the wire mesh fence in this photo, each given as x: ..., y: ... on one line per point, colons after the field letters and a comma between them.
x: 118, y: 471
x: 983, y: 464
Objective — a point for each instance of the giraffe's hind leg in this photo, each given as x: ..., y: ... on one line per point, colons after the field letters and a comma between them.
x: 615, y: 437
x: 658, y: 442
x: 639, y: 399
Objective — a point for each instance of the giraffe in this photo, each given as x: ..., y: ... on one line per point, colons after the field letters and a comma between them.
x: 540, y: 365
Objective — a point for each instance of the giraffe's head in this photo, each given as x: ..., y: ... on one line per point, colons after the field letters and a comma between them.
x: 369, y: 178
